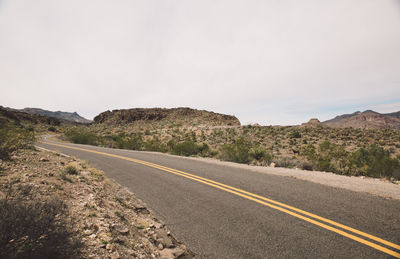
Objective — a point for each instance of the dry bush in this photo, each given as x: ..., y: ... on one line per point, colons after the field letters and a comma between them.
x: 34, y: 227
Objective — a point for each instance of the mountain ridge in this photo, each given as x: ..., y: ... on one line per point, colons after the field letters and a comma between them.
x: 368, y: 119
x: 68, y: 116
x: 8, y: 115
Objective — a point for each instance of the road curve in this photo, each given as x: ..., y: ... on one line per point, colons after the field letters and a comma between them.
x: 227, y: 212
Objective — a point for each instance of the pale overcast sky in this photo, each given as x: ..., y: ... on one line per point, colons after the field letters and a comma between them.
x: 268, y: 61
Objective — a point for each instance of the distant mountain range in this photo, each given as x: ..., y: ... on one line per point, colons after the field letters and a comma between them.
x: 362, y: 120
x: 14, y: 116
x: 68, y: 116
x: 366, y: 120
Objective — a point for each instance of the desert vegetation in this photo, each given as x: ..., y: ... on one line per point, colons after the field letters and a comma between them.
x: 55, y: 206
x: 13, y: 138
x: 32, y: 227
x: 348, y: 151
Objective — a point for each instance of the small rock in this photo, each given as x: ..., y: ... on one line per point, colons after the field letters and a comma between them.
x: 160, y: 246
x: 124, y: 231
x: 95, y: 227
x: 115, y: 256
x: 43, y: 159
x: 118, y: 240
x: 92, y: 236
x: 110, y: 247
x: 86, y: 173
x: 121, y: 229
x: 164, y: 238
x: 272, y: 164
x: 178, y: 252
x: 158, y: 225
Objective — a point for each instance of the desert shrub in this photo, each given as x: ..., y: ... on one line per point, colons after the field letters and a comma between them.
x: 308, y: 151
x: 189, y: 148
x: 237, y: 152
x: 327, y: 157
x: 154, y: 144
x: 186, y: 148
x: 134, y: 142
x: 286, y: 162
x: 65, y: 177
x: 36, y: 229
x: 260, y: 154
x: 295, y: 134
x: 374, y: 161
x: 257, y: 153
x: 306, y: 166
x: 324, y: 164
x: 81, y: 136
x: 70, y: 169
x: 205, y: 150
x: 14, y: 138
x: 52, y: 129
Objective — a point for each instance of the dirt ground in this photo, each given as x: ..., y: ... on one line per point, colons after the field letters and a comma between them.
x: 109, y: 220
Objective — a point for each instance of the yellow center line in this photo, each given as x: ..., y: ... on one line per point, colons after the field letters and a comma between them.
x: 265, y: 201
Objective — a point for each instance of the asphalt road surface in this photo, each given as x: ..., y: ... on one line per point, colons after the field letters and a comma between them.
x: 220, y: 211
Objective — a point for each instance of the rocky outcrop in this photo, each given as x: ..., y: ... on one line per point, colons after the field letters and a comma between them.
x: 176, y: 115
x: 312, y: 123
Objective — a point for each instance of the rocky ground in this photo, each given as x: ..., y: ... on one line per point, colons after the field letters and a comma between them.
x: 108, y: 220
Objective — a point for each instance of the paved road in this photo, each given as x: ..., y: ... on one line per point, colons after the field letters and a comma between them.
x: 217, y: 221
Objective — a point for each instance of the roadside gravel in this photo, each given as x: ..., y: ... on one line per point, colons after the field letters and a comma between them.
x: 374, y: 186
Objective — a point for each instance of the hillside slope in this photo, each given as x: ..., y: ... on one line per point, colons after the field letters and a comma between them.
x: 365, y: 120
x: 69, y: 116
x: 394, y: 114
x: 18, y: 117
x: 174, y: 115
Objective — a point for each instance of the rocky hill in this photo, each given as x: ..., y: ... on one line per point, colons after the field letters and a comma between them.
x: 394, y: 114
x: 312, y: 123
x: 69, y: 116
x: 18, y: 117
x: 366, y: 120
x: 174, y: 115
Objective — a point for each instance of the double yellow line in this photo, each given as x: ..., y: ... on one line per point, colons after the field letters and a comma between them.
x: 295, y: 212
